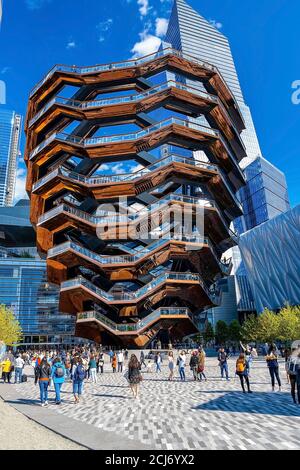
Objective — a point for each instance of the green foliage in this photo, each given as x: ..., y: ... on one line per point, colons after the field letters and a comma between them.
x: 221, y: 332
x: 270, y: 326
x: 208, y: 333
x: 249, y: 329
x: 235, y: 331
x: 10, y: 329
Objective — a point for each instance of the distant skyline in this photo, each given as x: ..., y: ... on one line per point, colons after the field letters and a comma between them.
x: 263, y: 36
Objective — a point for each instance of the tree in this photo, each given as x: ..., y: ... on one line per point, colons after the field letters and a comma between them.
x: 249, y: 329
x: 268, y: 326
x: 221, y: 332
x: 235, y: 331
x: 208, y: 333
x: 10, y: 329
x: 289, y: 324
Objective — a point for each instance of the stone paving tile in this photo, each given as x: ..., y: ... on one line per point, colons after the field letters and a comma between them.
x: 191, y: 415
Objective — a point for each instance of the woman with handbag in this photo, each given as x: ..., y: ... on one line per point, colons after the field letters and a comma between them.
x: 134, y: 375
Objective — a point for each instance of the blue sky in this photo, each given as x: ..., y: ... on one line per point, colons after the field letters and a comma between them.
x: 264, y: 36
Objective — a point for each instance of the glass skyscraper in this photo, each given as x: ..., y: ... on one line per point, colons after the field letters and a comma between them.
x: 23, y: 282
x: 265, y: 196
x: 10, y: 130
x: 189, y: 32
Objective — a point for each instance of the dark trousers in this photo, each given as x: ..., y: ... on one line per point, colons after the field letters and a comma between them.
x: 294, y: 382
x: 274, y: 372
x: 7, y: 377
x: 120, y: 366
x: 246, y: 379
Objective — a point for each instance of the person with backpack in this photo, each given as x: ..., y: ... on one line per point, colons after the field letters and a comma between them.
x: 78, y: 376
x: 58, y: 376
x: 222, y: 358
x: 272, y: 363
x: 242, y: 370
x: 293, y: 370
x: 42, y: 373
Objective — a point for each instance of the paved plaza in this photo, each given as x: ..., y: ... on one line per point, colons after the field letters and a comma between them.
x: 175, y: 415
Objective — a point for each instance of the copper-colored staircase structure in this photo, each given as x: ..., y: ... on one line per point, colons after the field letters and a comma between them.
x: 127, y: 269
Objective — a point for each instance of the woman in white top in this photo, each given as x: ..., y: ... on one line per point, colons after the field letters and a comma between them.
x: 171, y: 365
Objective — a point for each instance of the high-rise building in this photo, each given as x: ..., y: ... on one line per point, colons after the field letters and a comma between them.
x: 265, y: 196
x: 10, y: 131
x: 132, y: 273
x: 23, y: 282
x: 192, y: 34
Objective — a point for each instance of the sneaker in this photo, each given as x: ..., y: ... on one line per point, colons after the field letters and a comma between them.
x: 42, y: 404
x: 46, y: 403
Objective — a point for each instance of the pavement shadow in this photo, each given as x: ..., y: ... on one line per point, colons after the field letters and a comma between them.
x: 279, y: 404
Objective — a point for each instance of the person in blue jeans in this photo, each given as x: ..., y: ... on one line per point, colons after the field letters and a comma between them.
x: 58, y: 376
x: 222, y: 358
x: 158, y: 362
x: 78, y: 375
x: 181, y: 365
x: 42, y: 375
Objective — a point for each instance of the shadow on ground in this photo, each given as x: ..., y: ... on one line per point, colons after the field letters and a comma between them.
x: 275, y: 403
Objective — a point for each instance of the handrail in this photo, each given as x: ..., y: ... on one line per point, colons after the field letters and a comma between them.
x: 70, y: 102
x: 124, y: 137
x: 134, y: 327
x: 105, y: 217
x: 81, y: 70
x: 103, y: 179
x: 131, y: 296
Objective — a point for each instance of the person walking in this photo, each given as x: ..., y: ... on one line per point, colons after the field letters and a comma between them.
x: 19, y: 366
x: 222, y: 358
x: 111, y: 355
x: 78, y: 376
x: 120, y: 359
x: 42, y: 374
x: 181, y: 365
x: 293, y: 370
x: 272, y: 363
x: 171, y: 365
x: 242, y: 368
x: 142, y: 359
x: 201, y: 364
x: 194, y: 364
x: 93, y: 369
x: 6, y: 370
x: 114, y: 363
x: 134, y: 375
x: 101, y: 363
x: 158, y: 362
x: 58, y: 376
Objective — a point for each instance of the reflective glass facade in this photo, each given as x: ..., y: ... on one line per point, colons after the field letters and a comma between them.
x: 189, y: 32
x: 265, y: 196
x: 24, y: 288
x: 271, y: 256
x: 10, y: 129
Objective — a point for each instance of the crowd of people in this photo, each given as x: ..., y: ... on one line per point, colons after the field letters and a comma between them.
x: 84, y: 364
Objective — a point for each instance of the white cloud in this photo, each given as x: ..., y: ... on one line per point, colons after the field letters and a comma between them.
x: 143, y: 7
x: 4, y: 70
x: 36, y: 4
x: 20, y: 192
x: 71, y: 44
x: 147, y: 45
x: 216, y: 24
x: 161, y: 27
x: 104, y: 26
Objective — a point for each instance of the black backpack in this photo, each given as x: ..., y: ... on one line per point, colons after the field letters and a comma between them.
x: 80, y: 372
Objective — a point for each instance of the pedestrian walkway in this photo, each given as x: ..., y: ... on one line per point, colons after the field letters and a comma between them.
x: 183, y: 415
x: 19, y: 433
